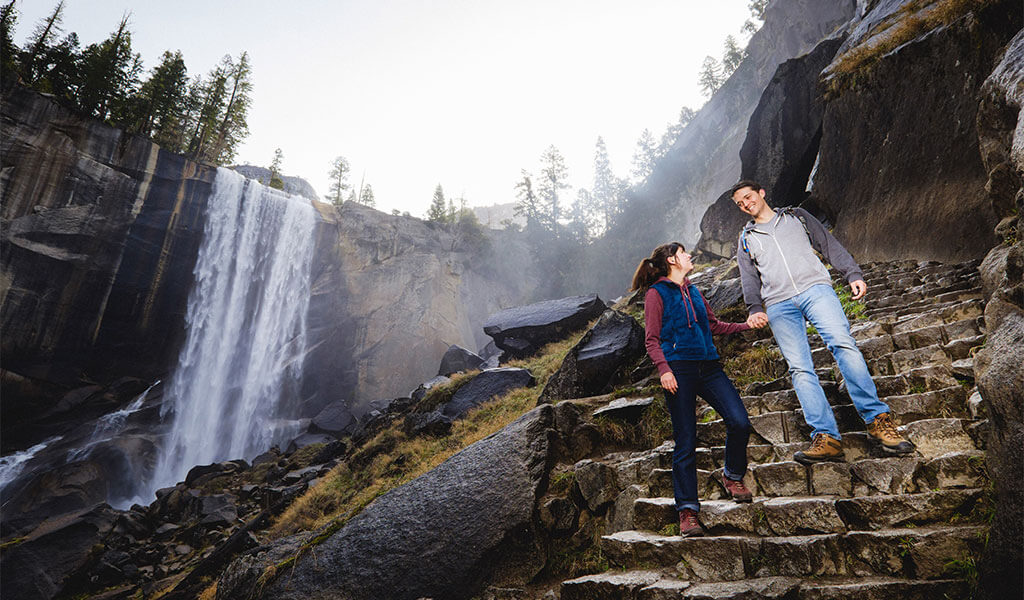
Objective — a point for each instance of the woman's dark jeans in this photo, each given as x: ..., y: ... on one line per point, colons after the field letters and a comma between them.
x: 706, y: 379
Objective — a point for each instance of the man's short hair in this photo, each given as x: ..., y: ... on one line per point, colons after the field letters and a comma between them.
x: 750, y: 183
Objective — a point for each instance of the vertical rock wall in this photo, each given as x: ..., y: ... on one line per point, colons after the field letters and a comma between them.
x: 998, y: 367
x: 100, y: 232
x: 899, y: 165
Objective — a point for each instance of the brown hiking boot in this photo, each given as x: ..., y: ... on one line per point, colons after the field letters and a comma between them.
x: 883, y: 431
x: 688, y: 525
x: 823, y: 448
x: 736, y: 490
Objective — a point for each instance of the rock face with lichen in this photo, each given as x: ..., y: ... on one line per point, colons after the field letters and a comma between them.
x: 899, y: 168
x: 998, y: 366
x: 100, y: 234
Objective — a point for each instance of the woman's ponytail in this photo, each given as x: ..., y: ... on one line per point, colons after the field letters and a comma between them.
x: 654, y: 267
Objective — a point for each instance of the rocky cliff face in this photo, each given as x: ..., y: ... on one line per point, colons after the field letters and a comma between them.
x: 100, y: 232
x: 998, y: 366
x: 391, y: 294
x: 911, y: 183
x: 295, y: 186
x: 897, y: 170
x: 704, y: 160
x: 100, y: 236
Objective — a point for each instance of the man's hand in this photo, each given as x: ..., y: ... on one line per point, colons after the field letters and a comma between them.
x: 758, y: 320
x: 668, y: 381
x: 859, y: 289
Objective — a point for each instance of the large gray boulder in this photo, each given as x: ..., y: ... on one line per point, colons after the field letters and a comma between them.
x: 458, y: 359
x: 523, y: 330
x: 443, y: 535
x: 600, y: 358
x: 39, y: 565
x: 335, y: 419
x: 486, y: 386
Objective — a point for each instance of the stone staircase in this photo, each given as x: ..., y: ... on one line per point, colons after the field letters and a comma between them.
x: 872, y: 527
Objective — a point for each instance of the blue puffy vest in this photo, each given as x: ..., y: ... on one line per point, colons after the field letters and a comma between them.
x: 680, y: 341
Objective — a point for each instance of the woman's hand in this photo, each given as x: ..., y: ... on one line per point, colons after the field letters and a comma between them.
x: 668, y: 381
x: 757, y: 320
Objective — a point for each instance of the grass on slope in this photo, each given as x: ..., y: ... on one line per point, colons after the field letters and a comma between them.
x: 393, y: 458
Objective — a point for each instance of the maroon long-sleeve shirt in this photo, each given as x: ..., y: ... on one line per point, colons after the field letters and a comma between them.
x: 653, y: 310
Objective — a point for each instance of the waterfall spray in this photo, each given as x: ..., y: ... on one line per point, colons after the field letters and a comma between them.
x: 246, y: 329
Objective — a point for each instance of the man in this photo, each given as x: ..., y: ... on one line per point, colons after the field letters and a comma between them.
x: 785, y: 284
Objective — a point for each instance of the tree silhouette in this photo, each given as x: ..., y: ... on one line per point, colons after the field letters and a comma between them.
x: 339, y: 180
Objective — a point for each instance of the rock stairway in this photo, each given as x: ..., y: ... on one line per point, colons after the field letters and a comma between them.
x: 874, y: 526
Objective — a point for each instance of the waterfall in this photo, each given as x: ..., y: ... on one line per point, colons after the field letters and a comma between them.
x: 109, y: 426
x: 229, y: 396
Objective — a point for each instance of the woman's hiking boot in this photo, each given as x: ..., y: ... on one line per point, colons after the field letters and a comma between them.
x: 688, y: 525
x: 736, y: 490
x: 883, y: 431
x: 823, y: 448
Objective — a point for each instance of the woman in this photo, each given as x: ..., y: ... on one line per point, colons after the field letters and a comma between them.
x: 679, y: 325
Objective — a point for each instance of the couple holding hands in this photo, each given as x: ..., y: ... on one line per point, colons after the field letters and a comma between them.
x: 784, y: 285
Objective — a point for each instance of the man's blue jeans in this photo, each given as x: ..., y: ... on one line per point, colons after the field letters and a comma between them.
x: 704, y: 378
x: 821, y: 307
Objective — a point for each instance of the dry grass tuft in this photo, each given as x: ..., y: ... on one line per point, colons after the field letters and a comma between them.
x: 910, y: 22
x: 758, y: 363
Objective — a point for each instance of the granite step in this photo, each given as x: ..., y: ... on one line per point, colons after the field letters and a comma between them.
x: 664, y: 585
x: 894, y: 552
x: 800, y: 514
x: 780, y: 476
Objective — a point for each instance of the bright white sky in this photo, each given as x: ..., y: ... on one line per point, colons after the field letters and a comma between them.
x: 464, y: 93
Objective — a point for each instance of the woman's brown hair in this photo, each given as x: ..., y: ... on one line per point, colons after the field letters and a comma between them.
x: 650, y: 269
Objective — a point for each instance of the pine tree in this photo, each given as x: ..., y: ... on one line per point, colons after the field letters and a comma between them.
x: 59, y: 70
x: 605, y: 195
x: 674, y: 130
x: 757, y: 10
x: 644, y: 156
x: 48, y: 30
x: 553, y: 174
x: 160, y: 102
x: 8, y: 49
x: 582, y: 216
x: 527, y: 205
x: 233, y: 126
x: 208, y: 98
x: 339, y: 180
x: 110, y: 73
x: 732, y: 56
x: 366, y: 197
x: 438, y: 212
x: 275, y: 170
x: 710, y: 78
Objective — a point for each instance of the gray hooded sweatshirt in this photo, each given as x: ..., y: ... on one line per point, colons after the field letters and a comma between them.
x: 777, y: 259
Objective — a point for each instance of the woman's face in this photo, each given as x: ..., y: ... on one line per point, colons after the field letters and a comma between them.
x: 681, y: 259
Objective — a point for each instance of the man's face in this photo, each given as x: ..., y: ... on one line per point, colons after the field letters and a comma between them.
x: 749, y: 200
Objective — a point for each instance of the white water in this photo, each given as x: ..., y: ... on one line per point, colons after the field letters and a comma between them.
x: 108, y: 426
x: 12, y: 464
x: 246, y: 329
